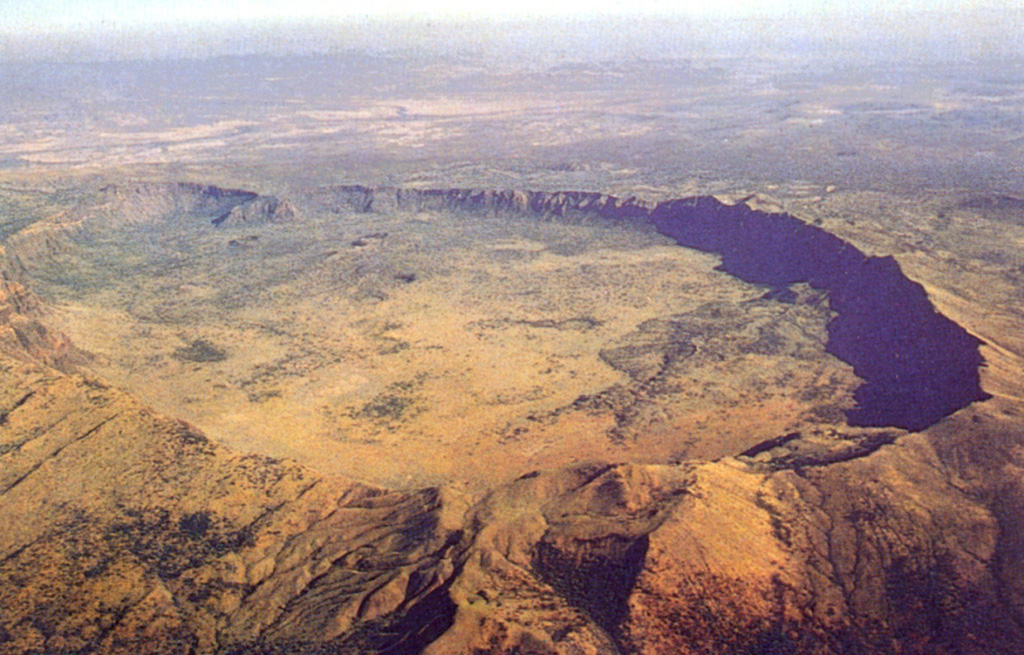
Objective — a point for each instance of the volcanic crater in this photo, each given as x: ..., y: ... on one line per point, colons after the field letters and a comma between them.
x: 340, y: 330
x: 456, y: 369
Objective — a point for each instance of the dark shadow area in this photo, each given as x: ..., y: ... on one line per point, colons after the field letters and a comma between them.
x: 917, y: 365
x: 595, y: 575
x: 405, y: 632
x: 765, y: 446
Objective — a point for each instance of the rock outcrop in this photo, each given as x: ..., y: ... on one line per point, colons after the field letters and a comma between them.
x: 264, y: 209
x: 877, y: 555
x: 917, y: 365
x: 560, y: 204
x: 222, y: 207
x: 23, y: 333
x: 149, y: 201
x: 24, y: 336
x: 42, y: 243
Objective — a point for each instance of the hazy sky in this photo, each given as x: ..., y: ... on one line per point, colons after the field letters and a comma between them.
x: 62, y: 15
x: 84, y: 30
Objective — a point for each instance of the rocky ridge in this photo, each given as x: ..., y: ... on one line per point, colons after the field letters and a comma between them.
x: 116, y: 205
x: 128, y: 531
x: 264, y: 209
x: 23, y: 333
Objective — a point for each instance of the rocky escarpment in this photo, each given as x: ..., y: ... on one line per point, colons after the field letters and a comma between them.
x: 222, y: 207
x: 877, y: 555
x: 146, y: 201
x: 561, y: 204
x: 42, y: 244
x: 49, y: 244
x: 917, y: 365
x: 114, y: 206
x: 263, y: 209
x: 23, y: 333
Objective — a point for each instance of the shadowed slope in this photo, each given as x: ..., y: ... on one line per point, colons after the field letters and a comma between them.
x: 918, y: 366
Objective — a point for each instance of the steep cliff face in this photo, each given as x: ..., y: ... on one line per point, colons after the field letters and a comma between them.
x: 877, y: 555
x: 138, y: 203
x: 24, y: 336
x: 39, y: 244
x: 155, y: 201
x: 263, y: 209
x: 23, y: 333
x: 561, y: 204
x: 917, y: 365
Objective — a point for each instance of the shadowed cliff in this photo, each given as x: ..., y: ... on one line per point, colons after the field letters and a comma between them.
x: 917, y: 365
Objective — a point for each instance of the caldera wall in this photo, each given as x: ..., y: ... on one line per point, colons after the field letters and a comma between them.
x: 917, y: 365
